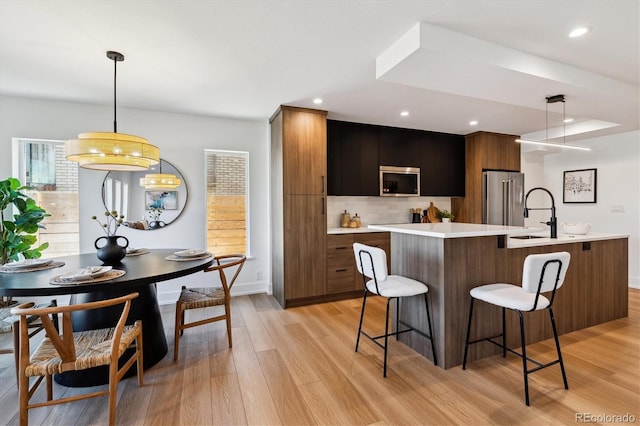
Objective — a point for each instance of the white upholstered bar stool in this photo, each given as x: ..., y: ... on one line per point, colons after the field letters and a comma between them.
x: 372, y: 264
x: 541, y: 273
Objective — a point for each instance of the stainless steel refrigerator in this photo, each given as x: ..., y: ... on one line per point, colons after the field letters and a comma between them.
x: 503, y: 198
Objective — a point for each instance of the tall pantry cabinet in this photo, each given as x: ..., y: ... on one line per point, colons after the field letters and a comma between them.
x: 298, y: 204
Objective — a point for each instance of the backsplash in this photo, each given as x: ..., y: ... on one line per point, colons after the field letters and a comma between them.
x: 378, y: 210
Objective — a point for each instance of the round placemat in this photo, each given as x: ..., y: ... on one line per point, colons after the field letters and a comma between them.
x: 35, y: 268
x: 112, y: 274
x: 188, y: 259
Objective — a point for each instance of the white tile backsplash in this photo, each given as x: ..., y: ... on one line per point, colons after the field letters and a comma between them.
x: 378, y: 210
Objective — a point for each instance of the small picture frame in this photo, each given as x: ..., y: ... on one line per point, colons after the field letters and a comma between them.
x: 580, y: 186
x: 164, y: 200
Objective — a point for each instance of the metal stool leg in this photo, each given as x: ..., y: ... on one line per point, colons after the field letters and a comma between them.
x: 525, y: 370
x: 386, y: 338
x: 433, y: 346
x: 397, y: 318
x: 364, y: 302
x: 466, y: 343
x: 504, y: 333
x: 555, y: 336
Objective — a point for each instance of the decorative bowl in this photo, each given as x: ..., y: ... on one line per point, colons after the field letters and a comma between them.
x: 576, y: 228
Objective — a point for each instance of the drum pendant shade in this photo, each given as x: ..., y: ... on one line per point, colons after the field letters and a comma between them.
x: 160, y: 181
x: 112, y: 151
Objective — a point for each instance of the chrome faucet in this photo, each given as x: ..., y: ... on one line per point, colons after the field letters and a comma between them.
x: 553, y: 222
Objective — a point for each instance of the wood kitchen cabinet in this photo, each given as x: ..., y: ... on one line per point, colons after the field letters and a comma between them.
x: 298, y: 204
x: 342, y: 273
x: 483, y: 151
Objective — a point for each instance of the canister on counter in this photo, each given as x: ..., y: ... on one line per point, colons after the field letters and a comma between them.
x: 345, y: 219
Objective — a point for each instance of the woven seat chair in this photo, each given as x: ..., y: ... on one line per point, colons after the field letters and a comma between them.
x: 12, y: 323
x: 73, y: 351
x: 204, y: 297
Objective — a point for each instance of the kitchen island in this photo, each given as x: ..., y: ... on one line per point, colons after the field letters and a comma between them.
x: 452, y: 258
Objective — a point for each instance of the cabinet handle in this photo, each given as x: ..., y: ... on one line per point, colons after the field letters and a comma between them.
x: 341, y: 248
x: 322, y: 184
x: 341, y: 270
x: 322, y: 205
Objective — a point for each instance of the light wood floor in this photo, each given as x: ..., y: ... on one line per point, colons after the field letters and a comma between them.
x: 298, y: 367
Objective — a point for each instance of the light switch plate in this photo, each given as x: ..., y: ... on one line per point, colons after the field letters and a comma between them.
x: 617, y: 208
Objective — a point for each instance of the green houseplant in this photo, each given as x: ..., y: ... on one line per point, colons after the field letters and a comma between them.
x: 17, y: 235
x: 445, y: 214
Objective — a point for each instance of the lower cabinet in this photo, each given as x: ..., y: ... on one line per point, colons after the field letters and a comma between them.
x: 342, y: 273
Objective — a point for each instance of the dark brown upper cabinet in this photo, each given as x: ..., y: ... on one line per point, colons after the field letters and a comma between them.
x: 355, y: 151
x: 352, y: 159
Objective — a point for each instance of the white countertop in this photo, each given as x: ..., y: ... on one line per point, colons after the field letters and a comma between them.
x: 562, y: 239
x: 453, y: 229
x: 462, y: 230
x: 350, y: 230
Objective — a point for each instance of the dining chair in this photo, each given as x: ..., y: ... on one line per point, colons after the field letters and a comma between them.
x: 541, y: 273
x: 11, y: 323
x: 74, y: 351
x: 372, y: 264
x: 204, y: 297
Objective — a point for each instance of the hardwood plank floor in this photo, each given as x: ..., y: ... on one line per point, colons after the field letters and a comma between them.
x: 298, y: 367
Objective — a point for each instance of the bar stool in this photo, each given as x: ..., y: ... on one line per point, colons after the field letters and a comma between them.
x: 542, y: 273
x: 372, y: 264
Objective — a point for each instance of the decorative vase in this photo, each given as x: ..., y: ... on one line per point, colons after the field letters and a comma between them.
x: 111, y: 253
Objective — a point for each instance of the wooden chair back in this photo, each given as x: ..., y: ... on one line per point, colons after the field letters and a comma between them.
x: 63, y: 340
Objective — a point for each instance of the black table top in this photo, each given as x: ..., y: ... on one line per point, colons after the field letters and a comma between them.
x: 141, y: 270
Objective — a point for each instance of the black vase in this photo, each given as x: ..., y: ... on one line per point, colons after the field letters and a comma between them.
x: 111, y: 253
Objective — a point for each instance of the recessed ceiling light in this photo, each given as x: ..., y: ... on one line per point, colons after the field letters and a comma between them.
x: 404, y: 113
x: 473, y: 122
x: 568, y: 120
x: 577, y: 32
x: 317, y: 101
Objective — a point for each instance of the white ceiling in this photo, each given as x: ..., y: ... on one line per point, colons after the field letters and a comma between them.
x: 493, y: 61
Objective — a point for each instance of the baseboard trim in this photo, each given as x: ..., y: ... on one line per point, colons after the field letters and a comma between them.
x: 634, y: 282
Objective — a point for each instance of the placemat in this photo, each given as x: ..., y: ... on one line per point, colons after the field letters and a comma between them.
x: 188, y: 259
x: 112, y: 274
x: 35, y: 268
x: 139, y: 252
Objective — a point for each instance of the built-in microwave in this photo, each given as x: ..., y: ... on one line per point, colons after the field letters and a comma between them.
x: 399, y: 181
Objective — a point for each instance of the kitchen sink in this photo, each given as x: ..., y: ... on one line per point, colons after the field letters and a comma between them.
x: 525, y: 237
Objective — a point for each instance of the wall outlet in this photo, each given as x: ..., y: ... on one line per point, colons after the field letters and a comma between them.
x: 617, y: 208
x: 259, y: 275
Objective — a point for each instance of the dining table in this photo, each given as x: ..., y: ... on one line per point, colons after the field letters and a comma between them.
x: 142, y: 272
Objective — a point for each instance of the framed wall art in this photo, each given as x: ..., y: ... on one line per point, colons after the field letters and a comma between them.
x: 580, y: 186
x: 164, y: 200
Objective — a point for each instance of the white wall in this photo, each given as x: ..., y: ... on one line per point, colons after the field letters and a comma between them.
x: 182, y: 140
x: 617, y: 159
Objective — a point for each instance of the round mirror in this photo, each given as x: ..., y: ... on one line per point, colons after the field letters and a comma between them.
x: 145, y: 207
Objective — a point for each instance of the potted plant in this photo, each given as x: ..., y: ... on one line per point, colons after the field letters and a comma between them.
x: 17, y: 235
x: 445, y: 216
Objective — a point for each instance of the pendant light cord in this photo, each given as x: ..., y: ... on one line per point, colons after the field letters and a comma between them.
x: 115, y: 70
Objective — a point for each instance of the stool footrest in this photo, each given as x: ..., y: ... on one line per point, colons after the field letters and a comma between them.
x: 531, y: 360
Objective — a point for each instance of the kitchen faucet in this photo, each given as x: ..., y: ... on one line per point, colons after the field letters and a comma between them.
x: 553, y: 222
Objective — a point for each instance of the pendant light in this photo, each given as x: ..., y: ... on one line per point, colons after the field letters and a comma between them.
x: 160, y: 180
x: 112, y: 151
x: 551, y: 100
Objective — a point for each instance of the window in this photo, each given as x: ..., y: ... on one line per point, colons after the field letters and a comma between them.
x: 42, y: 165
x: 227, y: 189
